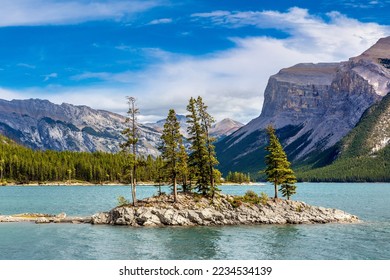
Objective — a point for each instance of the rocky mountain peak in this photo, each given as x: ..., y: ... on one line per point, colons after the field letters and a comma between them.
x: 225, y: 127
x: 380, y: 50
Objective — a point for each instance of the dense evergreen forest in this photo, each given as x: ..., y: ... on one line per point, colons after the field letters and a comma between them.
x: 23, y: 165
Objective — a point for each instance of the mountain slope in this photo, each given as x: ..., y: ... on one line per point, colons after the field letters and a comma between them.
x: 364, y: 152
x: 40, y: 124
x: 313, y: 106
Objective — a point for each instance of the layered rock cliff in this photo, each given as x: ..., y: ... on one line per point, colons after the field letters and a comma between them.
x: 312, y: 106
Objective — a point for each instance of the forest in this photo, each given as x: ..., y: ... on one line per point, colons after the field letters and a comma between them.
x: 23, y: 165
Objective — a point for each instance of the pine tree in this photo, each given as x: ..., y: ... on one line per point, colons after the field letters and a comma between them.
x: 206, y: 121
x: 202, y: 158
x: 198, y: 156
x: 278, y: 169
x: 183, y: 169
x: 288, y: 187
x: 170, y: 148
x: 130, y: 145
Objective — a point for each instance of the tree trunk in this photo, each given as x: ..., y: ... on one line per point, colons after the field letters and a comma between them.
x: 174, y: 189
x: 276, y: 189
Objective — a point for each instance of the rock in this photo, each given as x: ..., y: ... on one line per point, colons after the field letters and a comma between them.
x: 42, y: 220
x: 191, y: 210
x: 61, y: 216
x: 100, y: 218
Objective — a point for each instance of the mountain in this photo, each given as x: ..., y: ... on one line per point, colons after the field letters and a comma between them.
x: 159, y: 125
x: 219, y: 130
x: 224, y: 128
x: 40, y: 124
x: 312, y: 106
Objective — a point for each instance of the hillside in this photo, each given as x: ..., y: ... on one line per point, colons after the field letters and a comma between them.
x: 364, y: 152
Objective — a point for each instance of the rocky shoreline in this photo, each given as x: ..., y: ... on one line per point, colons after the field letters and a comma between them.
x: 39, y: 218
x: 193, y: 210
x: 196, y: 210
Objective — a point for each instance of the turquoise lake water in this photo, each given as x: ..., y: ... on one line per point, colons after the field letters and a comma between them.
x: 29, y: 241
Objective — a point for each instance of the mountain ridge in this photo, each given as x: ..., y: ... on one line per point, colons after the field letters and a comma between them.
x: 43, y: 125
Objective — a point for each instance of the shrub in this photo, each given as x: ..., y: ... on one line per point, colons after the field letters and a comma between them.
x: 236, y: 202
x: 122, y: 201
x: 251, y: 197
x: 263, y: 198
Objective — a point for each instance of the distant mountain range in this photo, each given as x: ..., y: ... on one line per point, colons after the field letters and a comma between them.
x: 219, y: 130
x: 40, y: 124
x: 313, y: 107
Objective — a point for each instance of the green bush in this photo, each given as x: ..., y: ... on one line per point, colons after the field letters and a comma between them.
x: 251, y: 197
x: 263, y: 198
x: 122, y: 201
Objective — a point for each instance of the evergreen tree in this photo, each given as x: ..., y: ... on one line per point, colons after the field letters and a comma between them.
x: 183, y: 169
x: 130, y: 144
x: 172, y: 141
x: 288, y: 187
x: 198, y: 155
x: 278, y: 169
x: 206, y: 121
x: 202, y: 157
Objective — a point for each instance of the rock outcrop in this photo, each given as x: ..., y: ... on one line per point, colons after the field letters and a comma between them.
x: 193, y: 210
x: 40, y: 218
x: 313, y: 106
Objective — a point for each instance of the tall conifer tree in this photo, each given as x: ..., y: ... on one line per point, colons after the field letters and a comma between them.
x: 206, y: 121
x: 202, y: 157
x: 198, y: 155
x: 278, y: 169
x: 171, y: 148
x: 130, y: 144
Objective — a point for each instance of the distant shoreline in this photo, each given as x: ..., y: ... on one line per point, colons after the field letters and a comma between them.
x: 151, y: 184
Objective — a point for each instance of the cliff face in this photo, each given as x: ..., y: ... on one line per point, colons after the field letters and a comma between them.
x: 314, y: 105
x: 40, y: 124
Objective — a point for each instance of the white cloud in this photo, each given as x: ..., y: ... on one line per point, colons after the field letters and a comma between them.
x: 9, y: 94
x: 44, y: 12
x: 160, y: 21
x: 25, y: 65
x: 307, y: 32
x: 49, y: 76
x: 232, y: 82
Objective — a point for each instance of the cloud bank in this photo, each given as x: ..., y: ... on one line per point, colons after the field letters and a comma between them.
x: 231, y: 81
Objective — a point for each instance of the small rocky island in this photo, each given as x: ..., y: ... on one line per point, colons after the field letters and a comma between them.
x: 196, y: 210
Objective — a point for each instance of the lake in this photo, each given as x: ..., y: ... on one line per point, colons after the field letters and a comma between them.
x: 29, y: 241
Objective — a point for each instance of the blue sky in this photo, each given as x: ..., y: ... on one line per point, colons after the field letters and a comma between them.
x: 163, y: 52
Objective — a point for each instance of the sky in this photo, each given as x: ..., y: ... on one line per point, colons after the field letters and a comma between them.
x: 163, y: 52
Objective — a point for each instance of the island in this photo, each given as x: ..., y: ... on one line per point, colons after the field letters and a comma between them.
x: 192, y: 209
